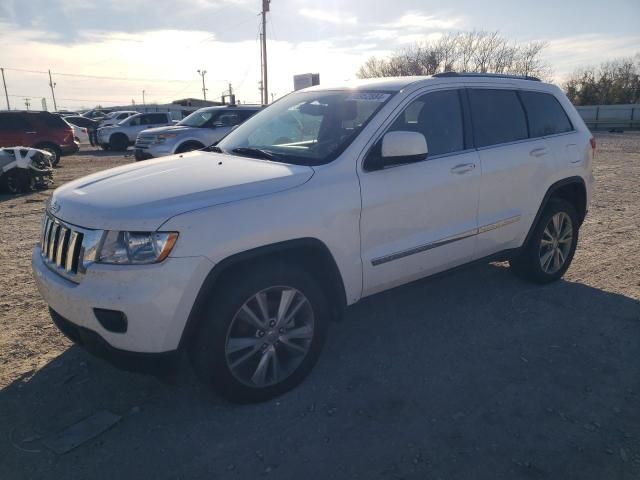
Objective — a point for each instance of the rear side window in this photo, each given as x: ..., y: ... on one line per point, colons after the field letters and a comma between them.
x: 13, y: 122
x: 497, y: 116
x: 53, y: 121
x: 545, y: 114
x: 438, y: 116
x: 156, y: 118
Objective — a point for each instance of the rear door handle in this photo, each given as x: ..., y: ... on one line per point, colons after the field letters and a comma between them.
x: 30, y: 133
x: 463, y: 168
x: 538, y: 152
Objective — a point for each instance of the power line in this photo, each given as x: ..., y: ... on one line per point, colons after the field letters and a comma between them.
x: 99, y: 77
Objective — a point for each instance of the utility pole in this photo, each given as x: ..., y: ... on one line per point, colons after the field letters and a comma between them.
x: 232, y: 97
x: 27, y: 103
x: 53, y: 94
x: 6, y: 95
x: 265, y: 75
x: 202, y: 73
x: 143, y: 102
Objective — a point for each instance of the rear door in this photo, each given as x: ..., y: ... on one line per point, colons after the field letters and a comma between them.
x: 513, y: 168
x: 548, y: 119
x: 15, y: 130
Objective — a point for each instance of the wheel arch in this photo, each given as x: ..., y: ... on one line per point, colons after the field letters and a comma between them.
x: 571, y: 189
x: 188, y: 141
x: 312, y: 253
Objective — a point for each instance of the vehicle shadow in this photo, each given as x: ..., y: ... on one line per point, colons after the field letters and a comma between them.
x: 472, y: 375
x: 98, y: 152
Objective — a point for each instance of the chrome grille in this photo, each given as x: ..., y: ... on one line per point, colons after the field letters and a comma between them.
x: 143, y: 141
x: 61, y: 247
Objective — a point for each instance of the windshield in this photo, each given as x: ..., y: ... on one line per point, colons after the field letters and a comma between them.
x: 307, y: 128
x: 198, y: 118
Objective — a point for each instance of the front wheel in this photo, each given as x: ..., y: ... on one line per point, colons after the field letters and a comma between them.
x: 261, y: 333
x: 549, y: 252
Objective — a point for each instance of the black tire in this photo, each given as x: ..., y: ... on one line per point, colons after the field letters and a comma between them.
x: 16, y: 181
x: 53, y: 150
x: 529, y: 264
x: 188, y: 147
x: 118, y: 142
x: 208, y: 350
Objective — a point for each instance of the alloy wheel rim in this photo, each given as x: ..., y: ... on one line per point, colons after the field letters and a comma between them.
x: 555, y: 244
x: 269, y: 336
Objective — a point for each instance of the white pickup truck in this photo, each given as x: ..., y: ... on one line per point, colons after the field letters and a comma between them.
x: 121, y: 135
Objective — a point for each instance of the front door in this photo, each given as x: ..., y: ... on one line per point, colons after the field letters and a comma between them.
x: 421, y: 218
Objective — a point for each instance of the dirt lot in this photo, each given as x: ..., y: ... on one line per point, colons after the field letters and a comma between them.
x: 473, y: 375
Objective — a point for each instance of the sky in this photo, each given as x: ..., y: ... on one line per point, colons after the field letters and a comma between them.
x: 158, y: 45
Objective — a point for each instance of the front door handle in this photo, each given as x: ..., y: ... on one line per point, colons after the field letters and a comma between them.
x: 463, y: 168
x: 538, y: 152
x: 30, y: 133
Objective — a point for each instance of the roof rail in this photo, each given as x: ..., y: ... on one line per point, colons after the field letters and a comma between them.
x: 488, y: 75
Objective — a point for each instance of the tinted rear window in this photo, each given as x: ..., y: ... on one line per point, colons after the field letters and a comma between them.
x: 13, y: 122
x: 545, y: 114
x: 498, y: 117
x: 53, y: 121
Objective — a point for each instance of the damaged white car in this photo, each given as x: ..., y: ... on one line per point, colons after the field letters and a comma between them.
x: 23, y: 169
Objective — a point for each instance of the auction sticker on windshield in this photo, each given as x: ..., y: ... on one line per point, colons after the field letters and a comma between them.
x: 368, y: 96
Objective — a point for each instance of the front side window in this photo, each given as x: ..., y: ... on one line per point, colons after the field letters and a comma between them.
x: 308, y: 128
x: 438, y: 116
x: 497, y: 116
x: 545, y: 114
x: 135, y: 121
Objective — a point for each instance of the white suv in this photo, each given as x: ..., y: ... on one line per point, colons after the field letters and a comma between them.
x: 240, y: 256
x: 122, y: 134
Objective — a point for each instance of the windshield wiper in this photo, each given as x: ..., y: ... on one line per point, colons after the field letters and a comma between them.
x: 254, y: 152
x: 213, y: 148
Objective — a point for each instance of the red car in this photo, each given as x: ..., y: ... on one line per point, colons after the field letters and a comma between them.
x: 42, y: 130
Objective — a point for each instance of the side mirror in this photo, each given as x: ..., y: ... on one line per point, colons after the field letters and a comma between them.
x: 402, y: 147
x: 410, y: 146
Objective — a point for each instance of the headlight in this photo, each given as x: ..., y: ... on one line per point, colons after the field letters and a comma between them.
x: 163, y: 137
x: 136, y: 247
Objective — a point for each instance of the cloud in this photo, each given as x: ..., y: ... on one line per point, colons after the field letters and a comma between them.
x: 338, y: 18
x: 567, y: 54
x: 417, y: 20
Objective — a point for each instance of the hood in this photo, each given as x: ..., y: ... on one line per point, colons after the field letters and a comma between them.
x: 169, y: 129
x: 143, y: 195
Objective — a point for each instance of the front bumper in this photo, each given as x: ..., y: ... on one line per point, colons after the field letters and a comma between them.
x: 157, y: 363
x: 156, y: 299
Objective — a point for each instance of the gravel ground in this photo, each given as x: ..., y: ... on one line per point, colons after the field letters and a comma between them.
x: 472, y: 375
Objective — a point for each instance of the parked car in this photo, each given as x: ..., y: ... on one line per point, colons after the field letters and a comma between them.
x: 241, y: 256
x: 116, y: 117
x: 202, y: 128
x: 23, y: 169
x: 123, y: 134
x: 42, y: 130
x: 96, y: 113
x: 91, y: 127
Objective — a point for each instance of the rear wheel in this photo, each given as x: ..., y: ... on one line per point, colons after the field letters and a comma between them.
x: 118, y: 142
x: 53, y: 150
x: 262, y: 333
x: 549, y: 251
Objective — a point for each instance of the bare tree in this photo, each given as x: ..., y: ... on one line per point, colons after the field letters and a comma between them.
x: 475, y: 51
x: 610, y: 83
